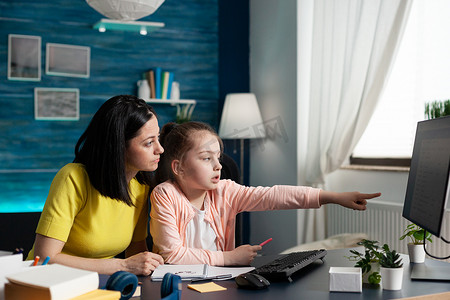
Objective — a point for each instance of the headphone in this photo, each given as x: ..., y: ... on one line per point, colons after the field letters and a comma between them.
x: 126, y: 283
x: 171, y: 287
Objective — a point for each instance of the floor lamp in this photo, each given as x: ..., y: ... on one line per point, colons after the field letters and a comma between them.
x: 241, y: 119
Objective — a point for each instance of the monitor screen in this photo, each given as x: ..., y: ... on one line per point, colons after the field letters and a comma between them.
x: 427, y: 190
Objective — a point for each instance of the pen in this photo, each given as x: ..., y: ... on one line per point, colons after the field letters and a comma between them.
x: 46, y: 260
x: 265, y: 242
x: 36, y: 259
x: 224, y: 276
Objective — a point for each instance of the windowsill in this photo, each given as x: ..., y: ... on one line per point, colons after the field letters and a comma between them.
x: 375, y: 168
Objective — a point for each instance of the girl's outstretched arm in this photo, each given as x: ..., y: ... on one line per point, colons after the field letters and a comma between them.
x: 353, y: 200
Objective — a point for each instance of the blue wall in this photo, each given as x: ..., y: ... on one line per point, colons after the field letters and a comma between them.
x: 187, y: 45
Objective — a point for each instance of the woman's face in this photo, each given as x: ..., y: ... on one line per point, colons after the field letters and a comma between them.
x: 143, y: 151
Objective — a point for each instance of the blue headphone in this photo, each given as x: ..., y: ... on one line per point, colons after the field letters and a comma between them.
x: 171, y: 287
x: 126, y: 283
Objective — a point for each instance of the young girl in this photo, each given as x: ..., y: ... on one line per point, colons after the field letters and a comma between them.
x: 193, y: 212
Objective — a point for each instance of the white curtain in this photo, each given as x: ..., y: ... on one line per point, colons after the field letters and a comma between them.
x: 354, y: 43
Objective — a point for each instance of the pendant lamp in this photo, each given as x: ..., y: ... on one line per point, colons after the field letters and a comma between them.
x: 125, y: 10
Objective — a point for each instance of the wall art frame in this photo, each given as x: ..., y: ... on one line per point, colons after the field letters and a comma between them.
x: 57, y: 104
x: 24, y: 57
x: 67, y: 60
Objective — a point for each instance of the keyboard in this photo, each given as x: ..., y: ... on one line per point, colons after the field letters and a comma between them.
x: 282, y: 268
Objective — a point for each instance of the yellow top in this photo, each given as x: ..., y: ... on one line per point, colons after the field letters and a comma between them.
x: 91, y: 225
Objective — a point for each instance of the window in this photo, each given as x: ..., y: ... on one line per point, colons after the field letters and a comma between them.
x: 420, y: 74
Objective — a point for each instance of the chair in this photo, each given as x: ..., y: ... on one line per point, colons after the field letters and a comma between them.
x: 230, y: 170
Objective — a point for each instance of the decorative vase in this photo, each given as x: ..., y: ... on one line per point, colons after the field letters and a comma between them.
x: 391, y: 278
x: 416, y: 253
x: 374, y: 267
x: 143, y: 89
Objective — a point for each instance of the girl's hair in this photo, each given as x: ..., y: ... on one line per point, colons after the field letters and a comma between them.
x: 102, y: 146
x: 177, y: 139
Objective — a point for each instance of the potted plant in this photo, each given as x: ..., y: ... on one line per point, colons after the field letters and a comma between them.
x: 368, y: 261
x: 391, y: 268
x: 436, y: 109
x: 417, y: 235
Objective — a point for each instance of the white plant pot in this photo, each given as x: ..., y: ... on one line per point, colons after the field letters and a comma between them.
x: 375, y: 267
x: 416, y: 253
x: 391, y: 278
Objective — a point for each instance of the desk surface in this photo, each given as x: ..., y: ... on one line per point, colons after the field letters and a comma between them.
x: 312, y: 283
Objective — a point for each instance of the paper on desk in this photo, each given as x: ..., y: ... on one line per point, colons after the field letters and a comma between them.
x: 10, y: 264
x: 206, y: 287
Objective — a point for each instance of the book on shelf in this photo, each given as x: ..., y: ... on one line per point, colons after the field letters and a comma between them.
x: 166, y: 84
x: 198, y: 272
x: 151, y: 82
x: 158, y: 79
x: 52, y: 281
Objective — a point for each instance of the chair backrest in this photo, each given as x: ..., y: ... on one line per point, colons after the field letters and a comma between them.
x: 230, y: 170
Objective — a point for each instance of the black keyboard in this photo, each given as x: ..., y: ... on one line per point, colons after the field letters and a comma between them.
x: 282, y: 268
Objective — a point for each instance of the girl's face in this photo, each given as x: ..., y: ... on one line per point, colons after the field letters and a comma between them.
x: 200, y: 168
x: 143, y: 151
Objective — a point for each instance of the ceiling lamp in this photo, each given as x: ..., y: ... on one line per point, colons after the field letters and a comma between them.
x: 125, y: 10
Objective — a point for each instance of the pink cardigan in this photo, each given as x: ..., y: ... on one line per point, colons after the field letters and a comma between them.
x: 171, y: 212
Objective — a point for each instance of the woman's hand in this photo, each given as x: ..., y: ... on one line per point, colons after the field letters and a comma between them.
x: 143, y: 263
x: 353, y: 200
x: 241, y: 256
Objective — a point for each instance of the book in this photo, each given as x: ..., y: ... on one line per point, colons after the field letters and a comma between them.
x: 15, y: 291
x: 151, y: 83
x: 55, y: 282
x: 158, y: 75
x: 169, y: 85
x: 199, y: 272
x: 166, y: 84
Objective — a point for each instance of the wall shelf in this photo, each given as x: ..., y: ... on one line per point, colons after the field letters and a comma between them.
x: 183, y: 113
x: 136, y: 26
x: 171, y: 102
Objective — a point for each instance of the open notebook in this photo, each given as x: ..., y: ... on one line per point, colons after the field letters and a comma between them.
x: 199, y: 271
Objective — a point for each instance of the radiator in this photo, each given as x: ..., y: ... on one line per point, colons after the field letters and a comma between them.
x: 383, y: 222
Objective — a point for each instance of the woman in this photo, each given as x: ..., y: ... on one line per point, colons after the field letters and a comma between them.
x: 97, y: 206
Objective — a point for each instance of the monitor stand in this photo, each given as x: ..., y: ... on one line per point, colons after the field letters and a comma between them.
x: 427, y: 272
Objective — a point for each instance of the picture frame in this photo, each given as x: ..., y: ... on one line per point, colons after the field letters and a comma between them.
x: 57, y: 104
x: 24, y: 57
x: 67, y: 60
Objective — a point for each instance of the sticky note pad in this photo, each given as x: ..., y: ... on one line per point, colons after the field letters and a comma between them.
x: 206, y: 287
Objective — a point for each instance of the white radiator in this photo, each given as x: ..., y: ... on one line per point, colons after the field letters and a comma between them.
x: 383, y: 222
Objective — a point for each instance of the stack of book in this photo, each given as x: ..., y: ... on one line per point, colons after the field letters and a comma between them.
x: 160, y: 83
x: 55, y: 282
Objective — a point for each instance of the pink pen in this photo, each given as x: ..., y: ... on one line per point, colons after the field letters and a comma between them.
x: 265, y: 242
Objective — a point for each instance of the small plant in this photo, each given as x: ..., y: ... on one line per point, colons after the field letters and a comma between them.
x: 365, y: 260
x: 184, y: 114
x: 390, y: 258
x: 436, y: 109
x: 416, y: 234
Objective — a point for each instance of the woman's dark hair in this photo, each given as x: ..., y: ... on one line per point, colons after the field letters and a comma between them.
x: 102, y: 146
x: 177, y: 139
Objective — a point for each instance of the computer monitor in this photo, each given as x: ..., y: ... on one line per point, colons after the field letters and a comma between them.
x: 427, y: 191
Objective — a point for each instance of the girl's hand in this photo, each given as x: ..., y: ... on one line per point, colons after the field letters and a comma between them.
x: 143, y: 263
x: 241, y: 256
x: 353, y: 200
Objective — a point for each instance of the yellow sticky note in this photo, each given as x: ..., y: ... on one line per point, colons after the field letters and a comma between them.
x: 206, y: 287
